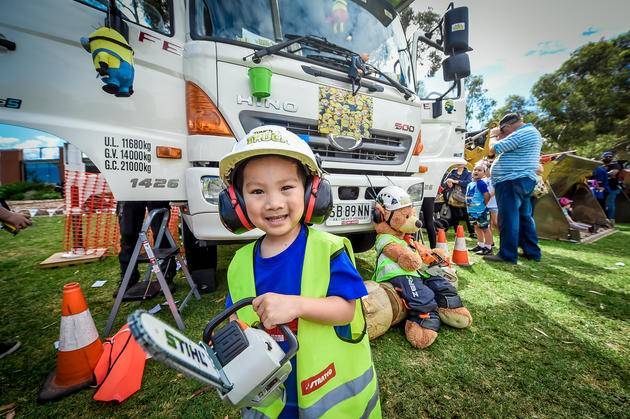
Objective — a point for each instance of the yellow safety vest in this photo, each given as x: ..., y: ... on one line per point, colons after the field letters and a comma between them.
x: 335, y: 375
x: 386, y: 268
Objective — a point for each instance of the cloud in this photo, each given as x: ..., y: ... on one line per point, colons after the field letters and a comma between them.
x: 550, y: 47
x: 8, y: 142
x: 50, y: 141
x: 590, y: 31
x: 30, y: 144
x: 37, y: 142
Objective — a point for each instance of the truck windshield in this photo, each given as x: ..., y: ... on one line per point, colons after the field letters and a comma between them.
x: 362, y: 27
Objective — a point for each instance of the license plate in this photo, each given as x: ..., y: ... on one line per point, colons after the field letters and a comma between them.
x: 351, y: 213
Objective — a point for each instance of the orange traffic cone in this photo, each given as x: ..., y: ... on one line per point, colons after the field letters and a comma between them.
x: 460, y: 254
x: 79, y: 348
x: 441, y: 242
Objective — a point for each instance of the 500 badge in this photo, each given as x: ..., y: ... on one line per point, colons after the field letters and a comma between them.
x: 154, y: 183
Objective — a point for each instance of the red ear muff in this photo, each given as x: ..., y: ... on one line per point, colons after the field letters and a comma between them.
x: 317, y: 200
x: 232, y: 211
x: 377, y: 216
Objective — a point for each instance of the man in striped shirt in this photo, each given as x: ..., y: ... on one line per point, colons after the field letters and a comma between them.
x: 513, y: 172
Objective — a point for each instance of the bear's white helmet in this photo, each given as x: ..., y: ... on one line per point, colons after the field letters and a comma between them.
x: 393, y: 198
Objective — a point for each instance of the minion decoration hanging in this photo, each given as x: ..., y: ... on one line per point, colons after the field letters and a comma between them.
x: 338, y: 15
x: 111, y: 54
x: 449, y: 106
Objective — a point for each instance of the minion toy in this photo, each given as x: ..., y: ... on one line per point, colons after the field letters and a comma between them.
x: 449, y: 106
x: 113, y: 60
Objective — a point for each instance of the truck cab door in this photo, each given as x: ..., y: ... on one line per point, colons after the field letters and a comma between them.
x: 54, y: 80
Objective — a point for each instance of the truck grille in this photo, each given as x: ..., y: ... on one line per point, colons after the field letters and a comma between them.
x: 381, y: 148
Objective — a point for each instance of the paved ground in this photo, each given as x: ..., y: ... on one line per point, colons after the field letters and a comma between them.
x: 46, y: 207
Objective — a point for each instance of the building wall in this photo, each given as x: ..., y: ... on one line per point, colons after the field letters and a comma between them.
x: 10, y: 166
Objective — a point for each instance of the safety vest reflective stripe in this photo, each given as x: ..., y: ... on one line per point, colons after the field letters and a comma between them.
x: 386, y: 268
x: 77, y: 331
x: 251, y: 413
x: 371, y: 405
x: 383, y: 240
x: 339, y: 394
x: 270, y: 411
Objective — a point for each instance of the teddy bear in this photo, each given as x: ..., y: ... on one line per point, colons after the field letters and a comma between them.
x: 429, y: 298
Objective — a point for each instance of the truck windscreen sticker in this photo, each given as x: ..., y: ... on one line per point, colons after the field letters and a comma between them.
x: 341, y: 113
x: 127, y: 154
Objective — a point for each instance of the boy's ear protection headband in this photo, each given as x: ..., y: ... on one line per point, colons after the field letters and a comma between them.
x: 232, y: 211
x: 317, y: 205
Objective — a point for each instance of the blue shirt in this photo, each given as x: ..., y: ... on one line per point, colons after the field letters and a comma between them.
x: 474, y: 196
x: 518, y: 155
x: 282, y: 274
x: 601, y: 176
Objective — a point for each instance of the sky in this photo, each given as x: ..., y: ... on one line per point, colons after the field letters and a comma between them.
x: 514, y: 43
x: 36, y: 144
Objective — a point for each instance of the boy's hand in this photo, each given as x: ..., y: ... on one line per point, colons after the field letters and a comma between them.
x: 274, y: 309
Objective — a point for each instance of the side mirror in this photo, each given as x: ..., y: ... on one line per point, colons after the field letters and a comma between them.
x: 456, y: 31
x: 456, y: 67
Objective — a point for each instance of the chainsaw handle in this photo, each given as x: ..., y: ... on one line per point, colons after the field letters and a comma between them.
x: 293, y: 343
x: 212, y: 324
x: 286, y: 331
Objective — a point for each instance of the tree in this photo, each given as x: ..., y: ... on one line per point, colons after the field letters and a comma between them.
x: 424, y: 21
x: 585, y: 104
x: 515, y: 103
x: 478, y: 105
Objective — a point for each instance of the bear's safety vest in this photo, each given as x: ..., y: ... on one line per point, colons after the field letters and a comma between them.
x: 386, y: 268
x: 335, y: 375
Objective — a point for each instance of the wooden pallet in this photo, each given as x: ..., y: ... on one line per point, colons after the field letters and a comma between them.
x: 63, y: 259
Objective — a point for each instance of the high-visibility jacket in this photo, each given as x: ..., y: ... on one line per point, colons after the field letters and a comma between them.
x: 335, y: 375
x: 387, y: 268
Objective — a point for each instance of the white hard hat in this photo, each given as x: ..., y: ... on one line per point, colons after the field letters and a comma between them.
x: 268, y: 140
x: 393, y: 198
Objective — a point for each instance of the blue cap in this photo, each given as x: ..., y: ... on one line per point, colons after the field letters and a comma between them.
x: 607, y: 153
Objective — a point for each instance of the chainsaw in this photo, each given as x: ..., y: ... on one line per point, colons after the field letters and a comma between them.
x: 244, y: 364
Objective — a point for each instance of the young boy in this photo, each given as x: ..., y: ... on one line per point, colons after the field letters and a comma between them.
x: 492, y: 206
x: 299, y: 276
x: 477, y: 197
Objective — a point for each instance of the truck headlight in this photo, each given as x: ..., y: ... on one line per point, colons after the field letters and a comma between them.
x: 416, y: 192
x: 211, y: 187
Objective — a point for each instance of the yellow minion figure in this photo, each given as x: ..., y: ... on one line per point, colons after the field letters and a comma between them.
x: 338, y: 15
x: 113, y: 60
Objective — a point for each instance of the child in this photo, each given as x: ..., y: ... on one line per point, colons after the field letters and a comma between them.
x: 565, y: 203
x: 477, y: 197
x: 299, y: 276
x: 492, y: 206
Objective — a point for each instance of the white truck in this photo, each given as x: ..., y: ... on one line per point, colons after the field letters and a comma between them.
x: 192, y: 99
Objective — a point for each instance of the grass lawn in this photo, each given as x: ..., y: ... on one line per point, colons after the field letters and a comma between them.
x: 549, y: 339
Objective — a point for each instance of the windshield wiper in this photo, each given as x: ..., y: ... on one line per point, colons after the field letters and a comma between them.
x: 322, y: 45
x: 316, y: 43
x: 257, y: 55
x: 402, y: 89
x: 341, y: 63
